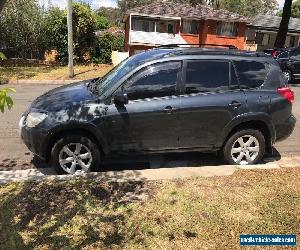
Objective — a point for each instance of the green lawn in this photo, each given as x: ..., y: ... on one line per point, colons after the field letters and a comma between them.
x: 199, y: 213
x: 52, y: 72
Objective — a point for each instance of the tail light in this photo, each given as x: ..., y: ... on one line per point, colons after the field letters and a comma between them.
x: 287, y: 93
x: 275, y: 54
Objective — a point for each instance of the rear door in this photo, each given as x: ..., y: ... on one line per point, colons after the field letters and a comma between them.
x: 212, y: 99
x: 252, y: 75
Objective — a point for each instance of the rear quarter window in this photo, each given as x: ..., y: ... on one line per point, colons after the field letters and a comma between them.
x: 251, y: 74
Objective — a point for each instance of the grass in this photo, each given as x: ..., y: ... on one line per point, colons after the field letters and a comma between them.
x: 199, y: 213
x: 82, y: 72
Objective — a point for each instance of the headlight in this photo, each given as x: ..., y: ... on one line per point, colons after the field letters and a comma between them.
x: 33, y: 119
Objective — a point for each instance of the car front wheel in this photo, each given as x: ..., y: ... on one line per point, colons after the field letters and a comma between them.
x: 245, y: 147
x: 75, y: 154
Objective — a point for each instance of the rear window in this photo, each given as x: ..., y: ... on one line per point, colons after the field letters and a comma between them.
x: 283, y: 55
x: 251, y: 74
x: 202, y: 76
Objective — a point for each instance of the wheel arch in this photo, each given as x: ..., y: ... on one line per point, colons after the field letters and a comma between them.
x: 265, y: 126
x: 59, y: 133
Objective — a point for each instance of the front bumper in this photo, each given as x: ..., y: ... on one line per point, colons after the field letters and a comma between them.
x: 34, y: 138
x: 285, y: 129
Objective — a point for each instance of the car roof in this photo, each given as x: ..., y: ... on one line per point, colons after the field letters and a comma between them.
x: 288, y: 49
x: 160, y: 53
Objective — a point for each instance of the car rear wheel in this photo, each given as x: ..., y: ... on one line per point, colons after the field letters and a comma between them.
x: 245, y: 147
x: 288, y: 75
x: 75, y: 154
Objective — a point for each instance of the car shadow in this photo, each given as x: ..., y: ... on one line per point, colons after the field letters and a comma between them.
x: 295, y: 83
x: 157, y: 161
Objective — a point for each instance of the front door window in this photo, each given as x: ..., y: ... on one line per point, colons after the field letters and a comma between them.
x: 154, y: 81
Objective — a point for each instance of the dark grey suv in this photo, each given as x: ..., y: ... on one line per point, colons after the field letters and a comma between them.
x: 165, y: 100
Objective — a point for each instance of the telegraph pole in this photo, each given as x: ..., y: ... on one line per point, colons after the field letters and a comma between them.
x: 70, y: 38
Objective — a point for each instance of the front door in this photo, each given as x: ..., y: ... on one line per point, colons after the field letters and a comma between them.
x: 212, y: 99
x: 150, y: 120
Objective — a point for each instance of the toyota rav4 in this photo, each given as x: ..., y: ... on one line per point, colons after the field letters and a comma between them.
x: 165, y: 100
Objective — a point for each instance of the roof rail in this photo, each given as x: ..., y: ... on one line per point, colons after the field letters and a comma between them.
x: 197, y: 44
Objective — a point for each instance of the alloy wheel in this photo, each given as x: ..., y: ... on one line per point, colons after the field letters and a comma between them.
x: 287, y: 75
x: 245, y: 150
x: 75, y: 158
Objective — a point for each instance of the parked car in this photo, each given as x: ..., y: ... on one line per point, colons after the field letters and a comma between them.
x: 165, y: 100
x: 272, y: 52
x: 289, y: 60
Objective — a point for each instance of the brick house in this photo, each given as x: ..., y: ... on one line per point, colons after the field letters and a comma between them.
x: 162, y: 23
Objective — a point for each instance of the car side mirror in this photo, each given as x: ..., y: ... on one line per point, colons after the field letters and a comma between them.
x: 121, y: 98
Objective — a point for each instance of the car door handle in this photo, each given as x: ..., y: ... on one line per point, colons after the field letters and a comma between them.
x: 235, y: 104
x: 169, y: 109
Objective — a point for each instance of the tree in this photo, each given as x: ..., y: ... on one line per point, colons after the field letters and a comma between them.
x: 5, y: 99
x: 105, y: 45
x: 284, y: 24
x: 84, y: 27
x: 296, y: 9
x: 22, y: 26
x: 57, y: 32
x: 113, y: 15
x: 2, y: 3
x: 102, y: 22
x: 249, y: 8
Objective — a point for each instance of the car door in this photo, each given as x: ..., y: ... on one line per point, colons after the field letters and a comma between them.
x: 212, y: 100
x: 253, y: 74
x: 149, y: 121
x: 295, y: 62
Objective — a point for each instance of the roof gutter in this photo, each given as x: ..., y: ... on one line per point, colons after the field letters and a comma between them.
x: 154, y: 16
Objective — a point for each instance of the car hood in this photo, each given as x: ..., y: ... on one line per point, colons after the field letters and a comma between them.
x: 64, y: 97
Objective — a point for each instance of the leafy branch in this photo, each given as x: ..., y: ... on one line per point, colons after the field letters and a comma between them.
x: 5, y: 99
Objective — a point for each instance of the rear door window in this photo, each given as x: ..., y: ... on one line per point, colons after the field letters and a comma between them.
x: 251, y: 74
x: 206, y: 76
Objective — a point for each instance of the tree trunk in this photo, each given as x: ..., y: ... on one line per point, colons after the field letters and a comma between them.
x: 284, y: 25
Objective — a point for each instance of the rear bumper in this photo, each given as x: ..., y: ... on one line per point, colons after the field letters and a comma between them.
x: 285, y: 129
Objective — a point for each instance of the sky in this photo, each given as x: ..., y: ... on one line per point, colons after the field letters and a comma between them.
x: 106, y: 3
x: 94, y: 3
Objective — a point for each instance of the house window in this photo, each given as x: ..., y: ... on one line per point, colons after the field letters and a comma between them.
x: 292, y: 41
x: 227, y: 29
x: 171, y: 28
x: 259, y: 38
x: 165, y: 27
x: 262, y: 38
x: 143, y: 25
x: 190, y: 27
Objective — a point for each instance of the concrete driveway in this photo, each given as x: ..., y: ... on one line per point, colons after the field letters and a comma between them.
x: 14, y: 155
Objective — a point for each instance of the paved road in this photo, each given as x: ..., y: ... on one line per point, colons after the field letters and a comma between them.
x: 14, y: 155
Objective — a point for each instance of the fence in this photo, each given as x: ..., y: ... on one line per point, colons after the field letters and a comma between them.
x: 12, y: 53
x: 117, y: 57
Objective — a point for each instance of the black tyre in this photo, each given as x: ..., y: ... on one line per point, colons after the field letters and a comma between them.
x: 245, y: 147
x: 75, y: 154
